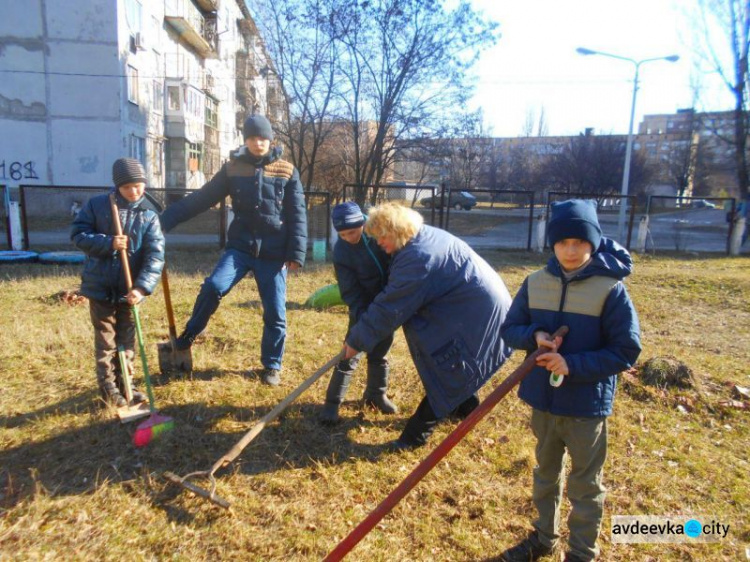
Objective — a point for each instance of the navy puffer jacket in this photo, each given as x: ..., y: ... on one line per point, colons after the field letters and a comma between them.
x: 362, y: 272
x: 451, y: 304
x: 270, y: 219
x: 604, y: 336
x: 92, y: 232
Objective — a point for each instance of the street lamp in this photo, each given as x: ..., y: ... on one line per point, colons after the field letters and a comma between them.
x: 629, y: 144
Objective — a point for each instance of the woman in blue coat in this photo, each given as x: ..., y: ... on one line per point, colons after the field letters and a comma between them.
x: 451, y: 305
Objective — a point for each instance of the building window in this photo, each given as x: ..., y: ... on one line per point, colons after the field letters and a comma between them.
x: 212, y: 113
x: 133, y: 15
x: 156, y: 156
x: 137, y: 149
x: 132, y: 84
x: 158, y: 100
x: 194, y: 152
x: 173, y: 92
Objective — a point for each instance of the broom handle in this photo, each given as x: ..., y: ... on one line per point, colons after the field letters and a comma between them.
x: 129, y: 284
x: 359, y: 532
x: 235, y: 451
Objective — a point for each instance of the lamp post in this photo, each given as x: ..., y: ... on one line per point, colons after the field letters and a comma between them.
x: 629, y: 143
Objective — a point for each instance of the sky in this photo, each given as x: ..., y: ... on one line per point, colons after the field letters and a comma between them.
x: 534, y: 65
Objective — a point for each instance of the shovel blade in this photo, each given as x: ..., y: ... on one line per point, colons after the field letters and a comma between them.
x: 133, y: 412
x: 172, y: 360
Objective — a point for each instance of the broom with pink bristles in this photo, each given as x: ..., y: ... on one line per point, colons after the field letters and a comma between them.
x: 156, y: 424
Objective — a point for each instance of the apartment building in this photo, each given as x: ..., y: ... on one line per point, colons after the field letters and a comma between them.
x: 168, y: 82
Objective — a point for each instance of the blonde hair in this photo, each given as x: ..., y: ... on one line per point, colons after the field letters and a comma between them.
x: 394, y: 220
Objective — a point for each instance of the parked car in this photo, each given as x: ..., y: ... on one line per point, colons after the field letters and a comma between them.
x: 457, y: 200
x: 702, y: 204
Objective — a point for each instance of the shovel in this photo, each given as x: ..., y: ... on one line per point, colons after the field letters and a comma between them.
x: 170, y: 358
x: 235, y: 451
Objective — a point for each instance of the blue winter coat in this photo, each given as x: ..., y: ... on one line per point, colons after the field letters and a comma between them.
x: 604, y: 336
x: 92, y: 232
x: 362, y: 272
x: 270, y: 219
x: 451, y: 304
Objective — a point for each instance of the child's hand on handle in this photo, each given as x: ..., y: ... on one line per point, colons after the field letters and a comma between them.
x: 553, y: 362
x: 119, y: 242
x: 544, y: 339
x: 135, y: 296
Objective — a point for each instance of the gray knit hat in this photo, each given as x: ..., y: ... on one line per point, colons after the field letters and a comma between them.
x: 127, y: 170
x: 257, y: 126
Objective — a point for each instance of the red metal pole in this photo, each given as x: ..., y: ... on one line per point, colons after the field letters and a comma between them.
x: 361, y: 530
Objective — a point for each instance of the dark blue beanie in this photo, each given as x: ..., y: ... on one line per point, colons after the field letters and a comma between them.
x: 575, y: 218
x: 347, y: 215
x: 257, y: 126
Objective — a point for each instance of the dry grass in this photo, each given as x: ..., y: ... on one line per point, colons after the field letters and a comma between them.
x: 73, y: 487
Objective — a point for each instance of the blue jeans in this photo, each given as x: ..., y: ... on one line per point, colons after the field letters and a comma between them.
x: 270, y: 276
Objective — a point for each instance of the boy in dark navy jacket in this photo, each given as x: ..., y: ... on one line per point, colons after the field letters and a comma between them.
x: 268, y: 237
x: 362, y: 272
x: 103, y: 281
x: 581, y: 288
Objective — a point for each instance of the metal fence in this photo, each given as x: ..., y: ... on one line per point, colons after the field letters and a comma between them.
x: 485, y: 219
x: 688, y: 224
x: 48, y: 210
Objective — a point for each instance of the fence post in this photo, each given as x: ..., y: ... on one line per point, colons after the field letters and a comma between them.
x: 642, y: 234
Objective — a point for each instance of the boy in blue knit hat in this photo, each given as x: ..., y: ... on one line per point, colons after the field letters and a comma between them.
x: 581, y: 287
x: 362, y: 271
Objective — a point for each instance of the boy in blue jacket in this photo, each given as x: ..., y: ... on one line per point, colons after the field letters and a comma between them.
x: 361, y: 268
x: 581, y: 288
x: 103, y: 281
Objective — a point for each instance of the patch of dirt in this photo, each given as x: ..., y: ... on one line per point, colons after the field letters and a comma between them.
x: 69, y: 297
x: 667, y: 372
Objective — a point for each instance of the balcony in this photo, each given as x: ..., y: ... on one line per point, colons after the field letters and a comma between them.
x: 193, y: 28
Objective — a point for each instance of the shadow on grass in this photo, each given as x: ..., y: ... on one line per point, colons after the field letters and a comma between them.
x: 79, y: 461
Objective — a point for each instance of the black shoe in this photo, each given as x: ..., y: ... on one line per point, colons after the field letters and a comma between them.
x: 570, y: 557
x: 138, y: 396
x: 271, y: 377
x: 399, y: 445
x: 529, y: 549
x: 115, y: 400
x: 184, y: 342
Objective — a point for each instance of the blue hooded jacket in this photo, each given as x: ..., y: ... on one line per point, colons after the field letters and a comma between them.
x: 604, y: 336
x: 92, y: 232
x: 451, y: 304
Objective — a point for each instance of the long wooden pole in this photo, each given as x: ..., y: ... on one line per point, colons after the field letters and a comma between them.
x: 361, y: 530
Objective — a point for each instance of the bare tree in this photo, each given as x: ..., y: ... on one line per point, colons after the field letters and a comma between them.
x: 594, y: 164
x: 727, y: 55
x: 404, y: 66
x: 300, y: 39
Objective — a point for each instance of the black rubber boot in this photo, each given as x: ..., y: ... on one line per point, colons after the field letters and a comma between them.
x: 377, y: 384
x: 419, y: 427
x: 337, y: 388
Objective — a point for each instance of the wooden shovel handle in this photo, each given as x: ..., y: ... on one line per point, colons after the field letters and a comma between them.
x: 118, y: 231
x: 168, y: 303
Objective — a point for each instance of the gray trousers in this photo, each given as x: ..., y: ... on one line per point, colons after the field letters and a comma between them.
x: 113, y: 326
x: 585, y: 440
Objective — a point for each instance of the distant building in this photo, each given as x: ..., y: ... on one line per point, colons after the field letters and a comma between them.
x: 168, y: 82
